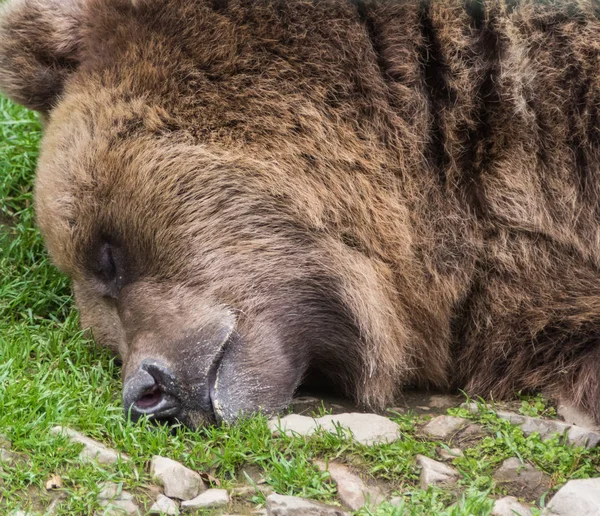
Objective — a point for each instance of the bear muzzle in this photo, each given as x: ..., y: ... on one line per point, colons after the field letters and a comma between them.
x: 167, y: 391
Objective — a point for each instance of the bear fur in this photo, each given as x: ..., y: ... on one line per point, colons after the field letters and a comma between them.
x: 364, y: 195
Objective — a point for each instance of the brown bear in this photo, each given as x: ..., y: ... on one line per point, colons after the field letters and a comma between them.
x: 359, y: 195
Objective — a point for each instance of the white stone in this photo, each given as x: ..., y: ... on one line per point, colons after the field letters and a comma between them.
x: 92, y: 450
x: 352, y: 491
x: 513, y: 470
x: 367, y: 429
x: 443, y: 427
x: 522, y: 478
x: 510, y: 506
x: 9, y: 458
x: 119, y: 508
x: 576, y: 497
x: 211, y: 498
x: 164, y: 505
x: 110, y: 490
x: 115, y: 501
x: 294, y: 423
x: 435, y: 473
x: 177, y: 480
x: 280, y: 505
x: 577, y: 436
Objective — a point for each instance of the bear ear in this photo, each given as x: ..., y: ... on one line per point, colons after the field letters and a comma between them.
x: 39, y: 48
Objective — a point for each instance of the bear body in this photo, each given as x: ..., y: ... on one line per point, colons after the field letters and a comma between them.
x: 363, y: 195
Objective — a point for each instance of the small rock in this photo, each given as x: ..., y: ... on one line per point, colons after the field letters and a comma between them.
x: 510, y: 506
x: 352, y: 491
x: 450, y: 453
x: 164, y: 505
x: 110, y: 491
x: 92, y: 450
x: 574, y: 416
x: 211, y: 498
x: 443, y: 427
x: 280, y: 505
x: 435, y: 473
x: 545, y: 427
x: 368, y: 429
x: 522, y: 479
x: 177, y: 480
x: 54, y: 482
x: 576, y: 497
x: 9, y: 458
x: 5, y: 442
x: 577, y: 436
x: 115, y: 500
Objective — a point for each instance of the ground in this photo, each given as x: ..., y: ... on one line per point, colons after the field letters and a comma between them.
x: 51, y: 374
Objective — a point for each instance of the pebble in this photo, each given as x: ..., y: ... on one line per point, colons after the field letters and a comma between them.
x: 177, y: 480
x: 92, y: 450
x: 576, y: 497
x: 352, y: 491
x: 115, y: 500
x: 9, y: 458
x: 367, y: 429
x: 510, y: 506
x: 576, y: 435
x: 522, y: 478
x: 164, y: 505
x: 435, y: 473
x: 280, y: 505
x: 211, y: 498
x: 444, y: 427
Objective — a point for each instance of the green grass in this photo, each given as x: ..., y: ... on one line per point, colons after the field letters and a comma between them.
x: 50, y: 374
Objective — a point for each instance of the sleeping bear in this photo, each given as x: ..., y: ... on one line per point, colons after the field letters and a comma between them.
x: 361, y: 196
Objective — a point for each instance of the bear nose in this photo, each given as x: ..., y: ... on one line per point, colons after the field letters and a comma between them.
x: 148, y: 392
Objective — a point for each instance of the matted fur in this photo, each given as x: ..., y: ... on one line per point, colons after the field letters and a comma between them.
x: 381, y: 193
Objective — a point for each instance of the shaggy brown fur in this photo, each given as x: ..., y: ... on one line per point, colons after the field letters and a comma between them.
x: 375, y: 193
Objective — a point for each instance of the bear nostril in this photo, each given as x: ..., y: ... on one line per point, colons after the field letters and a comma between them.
x: 151, y: 399
x: 146, y: 393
